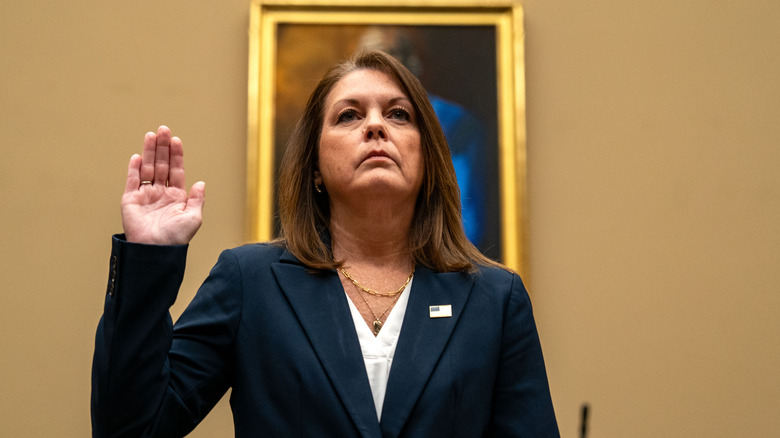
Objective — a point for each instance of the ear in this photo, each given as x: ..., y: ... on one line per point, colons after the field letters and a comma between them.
x: 317, y: 178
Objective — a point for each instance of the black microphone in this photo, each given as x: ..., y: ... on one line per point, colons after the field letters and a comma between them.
x: 584, y: 421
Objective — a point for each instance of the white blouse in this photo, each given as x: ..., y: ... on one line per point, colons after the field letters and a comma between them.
x: 378, y: 351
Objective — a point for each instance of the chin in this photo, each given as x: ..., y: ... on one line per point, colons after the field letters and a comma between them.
x: 384, y: 186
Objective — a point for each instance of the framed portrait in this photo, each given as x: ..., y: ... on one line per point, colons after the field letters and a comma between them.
x: 468, y: 54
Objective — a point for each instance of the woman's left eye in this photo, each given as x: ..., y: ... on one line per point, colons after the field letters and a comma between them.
x: 401, y: 114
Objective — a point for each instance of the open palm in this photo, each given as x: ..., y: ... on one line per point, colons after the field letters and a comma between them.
x: 156, y: 208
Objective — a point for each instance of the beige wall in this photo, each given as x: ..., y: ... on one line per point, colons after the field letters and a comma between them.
x: 653, y: 188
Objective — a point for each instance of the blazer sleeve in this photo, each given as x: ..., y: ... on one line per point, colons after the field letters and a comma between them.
x: 522, y: 405
x: 147, y: 378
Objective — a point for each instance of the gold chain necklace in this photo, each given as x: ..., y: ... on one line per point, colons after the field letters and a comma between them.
x: 373, y: 292
x: 377, y: 324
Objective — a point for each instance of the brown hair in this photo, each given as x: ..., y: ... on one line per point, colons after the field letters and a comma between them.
x: 436, y: 239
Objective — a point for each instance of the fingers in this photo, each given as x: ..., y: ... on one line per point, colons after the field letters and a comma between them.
x: 147, y: 157
x: 133, y: 173
x: 162, y: 159
x: 176, y: 169
x: 197, y: 197
x: 162, y: 155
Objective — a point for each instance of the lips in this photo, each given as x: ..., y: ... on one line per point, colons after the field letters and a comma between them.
x: 373, y: 154
x: 378, y: 154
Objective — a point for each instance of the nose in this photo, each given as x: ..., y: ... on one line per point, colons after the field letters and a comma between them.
x: 375, y: 128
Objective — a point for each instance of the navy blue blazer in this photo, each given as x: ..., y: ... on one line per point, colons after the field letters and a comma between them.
x: 283, y: 339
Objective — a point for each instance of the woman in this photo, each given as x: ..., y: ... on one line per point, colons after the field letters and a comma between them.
x: 371, y: 316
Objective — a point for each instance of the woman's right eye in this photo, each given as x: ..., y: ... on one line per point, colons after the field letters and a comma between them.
x: 347, y: 115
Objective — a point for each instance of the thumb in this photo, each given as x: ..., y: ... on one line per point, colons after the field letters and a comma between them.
x: 197, y: 196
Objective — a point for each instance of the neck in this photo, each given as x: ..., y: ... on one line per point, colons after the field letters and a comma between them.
x: 376, y: 235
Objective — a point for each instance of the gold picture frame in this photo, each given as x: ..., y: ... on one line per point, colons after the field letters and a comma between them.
x: 468, y: 43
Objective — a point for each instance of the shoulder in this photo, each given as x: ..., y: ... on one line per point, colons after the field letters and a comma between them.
x: 258, y: 251
x: 502, y: 284
x: 495, y: 276
x: 253, y: 255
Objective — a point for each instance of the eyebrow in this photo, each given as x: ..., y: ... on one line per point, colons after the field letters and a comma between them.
x: 353, y: 101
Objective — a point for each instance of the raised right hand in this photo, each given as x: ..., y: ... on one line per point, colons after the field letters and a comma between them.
x: 155, y: 206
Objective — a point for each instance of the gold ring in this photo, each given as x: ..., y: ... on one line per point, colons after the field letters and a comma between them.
x: 145, y: 182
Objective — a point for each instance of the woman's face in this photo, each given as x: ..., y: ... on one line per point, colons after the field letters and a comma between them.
x: 370, y: 142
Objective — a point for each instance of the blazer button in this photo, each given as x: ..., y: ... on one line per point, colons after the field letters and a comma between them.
x: 112, y: 281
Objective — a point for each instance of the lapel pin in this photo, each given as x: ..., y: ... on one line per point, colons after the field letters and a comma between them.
x: 440, y: 311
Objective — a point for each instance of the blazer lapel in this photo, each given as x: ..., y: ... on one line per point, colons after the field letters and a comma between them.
x: 321, y: 307
x: 421, y: 342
